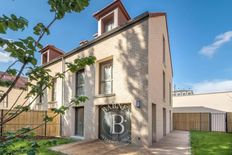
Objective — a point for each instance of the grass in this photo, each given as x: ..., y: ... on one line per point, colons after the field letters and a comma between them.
x: 211, y: 143
x: 43, y: 145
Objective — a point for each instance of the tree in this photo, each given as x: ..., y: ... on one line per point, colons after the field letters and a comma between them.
x: 23, y: 51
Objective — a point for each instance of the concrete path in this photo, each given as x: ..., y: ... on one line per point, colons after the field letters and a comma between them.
x: 176, y: 143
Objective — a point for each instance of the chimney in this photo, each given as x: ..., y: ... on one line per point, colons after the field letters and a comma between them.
x: 49, y: 53
x: 111, y: 16
x: 83, y: 42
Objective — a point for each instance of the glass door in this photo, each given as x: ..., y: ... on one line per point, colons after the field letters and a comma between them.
x: 79, y: 121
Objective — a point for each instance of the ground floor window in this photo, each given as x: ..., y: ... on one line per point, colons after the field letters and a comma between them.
x: 79, y: 121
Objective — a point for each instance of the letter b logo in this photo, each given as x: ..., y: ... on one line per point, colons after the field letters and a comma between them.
x: 119, y: 124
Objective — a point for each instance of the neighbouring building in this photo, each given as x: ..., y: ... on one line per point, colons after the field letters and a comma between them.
x: 19, y: 90
x: 133, y: 68
x: 212, y: 109
x: 182, y: 92
x: 219, y: 102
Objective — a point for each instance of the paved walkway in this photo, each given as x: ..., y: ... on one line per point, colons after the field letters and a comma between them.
x: 176, y: 143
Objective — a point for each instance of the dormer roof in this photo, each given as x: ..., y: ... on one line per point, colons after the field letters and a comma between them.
x: 111, y: 7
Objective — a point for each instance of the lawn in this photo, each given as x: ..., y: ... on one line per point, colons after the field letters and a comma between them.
x: 211, y: 143
x: 43, y: 145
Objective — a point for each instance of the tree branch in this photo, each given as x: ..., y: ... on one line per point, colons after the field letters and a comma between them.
x: 13, y: 104
x: 8, y: 69
x: 13, y: 83
x: 24, y: 65
x: 41, y: 36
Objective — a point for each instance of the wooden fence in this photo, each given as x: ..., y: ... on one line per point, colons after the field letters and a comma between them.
x: 229, y: 122
x: 201, y: 121
x: 33, y: 119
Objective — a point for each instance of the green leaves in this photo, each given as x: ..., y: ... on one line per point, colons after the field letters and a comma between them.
x: 48, y: 119
x: 12, y: 22
x: 61, y: 7
x: 60, y: 110
x: 40, y: 28
x: 79, y: 99
x: 80, y: 63
x: 22, y: 50
x: 12, y: 72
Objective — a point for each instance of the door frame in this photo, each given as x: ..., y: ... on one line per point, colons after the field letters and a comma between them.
x: 164, y: 121
x: 154, y: 121
x: 75, y: 127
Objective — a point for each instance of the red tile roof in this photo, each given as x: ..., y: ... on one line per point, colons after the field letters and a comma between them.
x: 21, y: 82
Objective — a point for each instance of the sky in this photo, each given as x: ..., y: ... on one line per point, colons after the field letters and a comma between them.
x: 200, y: 35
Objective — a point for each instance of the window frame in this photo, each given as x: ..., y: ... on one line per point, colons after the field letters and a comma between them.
x: 164, y: 86
x: 109, y: 19
x: 101, y: 64
x: 164, y: 50
x: 81, y: 71
x: 53, y: 90
x: 5, y: 101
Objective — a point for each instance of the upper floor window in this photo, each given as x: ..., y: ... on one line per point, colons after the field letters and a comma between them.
x: 4, y: 102
x: 170, y: 93
x: 80, y: 83
x: 164, y: 51
x: 53, y: 91
x: 106, y: 77
x: 164, y: 86
x: 108, y: 23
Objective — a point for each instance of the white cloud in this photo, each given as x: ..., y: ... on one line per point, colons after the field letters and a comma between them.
x: 212, y: 86
x: 220, y: 40
x: 4, y: 56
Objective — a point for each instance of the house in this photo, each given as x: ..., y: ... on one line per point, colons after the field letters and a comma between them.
x: 18, y: 90
x: 219, y: 102
x: 182, y: 92
x: 212, y: 108
x: 133, y: 71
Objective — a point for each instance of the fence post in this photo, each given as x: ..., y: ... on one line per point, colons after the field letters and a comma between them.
x: 45, y: 125
x: 200, y: 121
x: 210, y: 121
x: 1, y: 125
x: 226, y: 122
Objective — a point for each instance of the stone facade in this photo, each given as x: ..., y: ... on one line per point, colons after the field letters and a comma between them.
x: 136, y: 49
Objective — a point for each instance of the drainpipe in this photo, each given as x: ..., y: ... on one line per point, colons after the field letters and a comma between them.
x: 62, y: 95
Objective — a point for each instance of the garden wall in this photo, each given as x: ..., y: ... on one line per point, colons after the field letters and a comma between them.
x: 32, y: 119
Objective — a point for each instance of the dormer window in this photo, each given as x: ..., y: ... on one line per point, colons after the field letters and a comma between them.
x: 45, y: 58
x: 108, y: 23
x: 50, y: 53
x: 112, y: 16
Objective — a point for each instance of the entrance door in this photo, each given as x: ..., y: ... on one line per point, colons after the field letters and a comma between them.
x: 164, y: 122
x: 115, y: 123
x: 153, y: 122
x: 79, y: 121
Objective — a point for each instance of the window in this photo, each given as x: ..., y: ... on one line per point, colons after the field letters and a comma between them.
x: 164, y: 52
x: 170, y: 93
x: 53, y: 90
x: 106, y: 77
x: 164, y: 85
x: 45, y: 58
x: 108, y: 23
x: 4, y: 103
x: 40, y: 96
x: 80, y: 83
